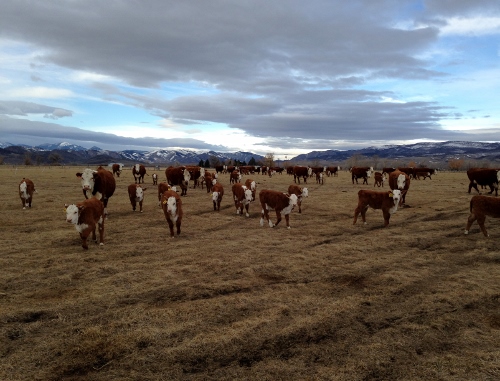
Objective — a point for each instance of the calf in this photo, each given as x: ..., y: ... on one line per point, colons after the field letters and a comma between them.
x: 26, y: 190
x: 387, y: 201
x: 86, y: 216
x: 250, y: 184
x: 379, y: 179
x: 117, y: 169
x: 136, y: 195
x: 280, y: 202
x: 172, y: 208
x: 154, y: 176
x: 484, y: 176
x: 242, y: 197
x: 234, y: 177
x: 319, y: 178
x: 217, y: 193
x: 480, y: 207
x: 162, y: 188
x: 400, y: 180
x: 139, y: 171
x: 178, y: 176
x: 100, y: 183
x: 299, y: 192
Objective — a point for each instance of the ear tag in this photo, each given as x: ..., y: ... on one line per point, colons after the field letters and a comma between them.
x: 390, y: 194
x: 65, y: 209
x: 164, y: 202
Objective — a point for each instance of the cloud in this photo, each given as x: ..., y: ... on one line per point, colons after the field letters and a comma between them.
x: 20, y: 108
x: 472, y: 26
x: 41, y: 92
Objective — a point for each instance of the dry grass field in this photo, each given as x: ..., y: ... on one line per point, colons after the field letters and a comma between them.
x: 230, y: 300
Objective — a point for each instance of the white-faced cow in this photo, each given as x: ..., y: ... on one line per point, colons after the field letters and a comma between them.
x: 26, y: 190
x: 485, y: 177
x: 280, y: 202
x: 217, y: 194
x: 332, y: 171
x: 136, y: 195
x: 400, y: 180
x: 171, y: 204
x: 100, y: 183
x: 86, y: 216
x: 387, y: 201
x: 361, y: 173
x: 234, y: 177
x: 379, y: 179
x: 139, y: 171
x: 162, y: 188
x: 480, y: 207
x: 250, y: 184
x: 154, y: 176
x: 301, y: 171
x: 242, y: 197
x: 178, y: 176
x: 300, y: 193
x: 117, y: 169
x: 197, y: 174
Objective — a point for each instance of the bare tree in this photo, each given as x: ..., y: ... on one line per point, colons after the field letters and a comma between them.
x: 269, y: 159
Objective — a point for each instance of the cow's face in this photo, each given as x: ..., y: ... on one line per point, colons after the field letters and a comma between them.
x: 23, y: 189
x: 293, y: 199
x: 215, y: 196
x: 137, y: 166
x: 305, y: 192
x: 172, y: 205
x: 248, y: 196
x: 72, y: 213
x: 187, y: 176
x: 309, y: 171
x: 214, y: 181
x: 87, y: 178
x: 252, y: 186
x: 139, y: 193
x: 401, y: 181
x: 396, y: 196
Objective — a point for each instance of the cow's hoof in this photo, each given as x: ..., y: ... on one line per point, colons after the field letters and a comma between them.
x: 248, y: 215
x: 466, y: 232
x: 101, y: 244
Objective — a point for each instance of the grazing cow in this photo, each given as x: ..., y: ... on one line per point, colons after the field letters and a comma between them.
x: 162, y: 188
x: 242, y: 197
x: 289, y: 170
x: 234, y: 177
x: 250, y: 184
x: 400, y: 180
x: 178, y: 176
x: 424, y: 171
x: 280, y: 202
x: 300, y: 193
x: 26, y: 190
x: 480, y: 207
x: 100, y: 181
x: 301, y: 171
x: 136, y: 195
x: 379, y: 179
x: 117, y: 169
x: 154, y: 176
x: 247, y: 169
x: 319, y: 178
x: 86, y: 216
x: 138, y: 171
x: 388, y: 170
x: 332, y: 171
x: 316, y: 170
x: 172, y: 208
x: 219, y: 169
x: 230, y: 168
x: 484, y: 176
x: 361, y: 173
x: 264, y: 169
x: 217, y: 193
x: 387, y: 201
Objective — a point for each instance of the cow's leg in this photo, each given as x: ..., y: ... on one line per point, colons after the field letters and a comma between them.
x: 278, y: 216
x: 356, y: 214
x: 305, y: 180
x: 387, y: 216
x: 365, y: 180
x: 171, y: 227
x: 480, y: 221
x: 299, y: 203
x: 246, y: 208
x: 140, y: 205
x: 84, y: 236
x: 178, y: 225
x: 472, y: 184
x: 470, y: 221
x: 100, y: 225
x: 215, y: 205
x: 287, y: 219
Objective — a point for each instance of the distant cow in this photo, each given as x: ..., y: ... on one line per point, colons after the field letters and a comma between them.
x: 424, y: 172
x: 300, y: 193
x: 400, y: 180
x: 319, y: 178
x: 171, y: 204
x: 388, y: 170
x: 480, y: 207
x: 234, y: 177
x: 219, y: 169
x: 301, y: 171
x: 217, y: 194
x: 178, y: 176
x: 154, y: 176
x: 242, y: 197
x: 100, y: 183
x: 250, y: 184
x: 117, y: 169
x: 136, y: 195
x: 361, y: 173
x: 197, y: 174
x: 138, y: 171
x: 209, y: 181
x: 410, y: 171
x: 280, y: 202
x: 484, y: 176
x: 387, y: 201
x: 26, y: 190
x: 86, y: 216
x: 289, y: 170
x: 332, y: 171
x: 379, y: 179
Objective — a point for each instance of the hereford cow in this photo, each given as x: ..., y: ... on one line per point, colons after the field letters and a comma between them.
x: 230, y: 168
x: 209, y: 181
x: 162, y: 188
x: 289, y: 170
x: 138, y: 171
x: 361, y: 173
x: 300, y: 171
x: 219, y: 169
x: 319, y: 178
x: 172, y: 208
x: 250, y: 184
x: 26, y: 190
x: 117, y: 169
x: 424, y: 172
x: 388, y: 170
x: 332, y: 171
x: 242, y: 197
x: 178, y: 176
x: 277, y: 170
x: 136, y: 195
x: 100, y: 183
x: 484, y: 176
x: 387, y: 201
x: 234, y: 177
x: 400, y: 180
x: 217, y: 193
x: 379, y: 179
x: 264, y: 169
x: 300, y: 193
x: 197, y: 174
x: 280, y: 202
x: 410, y: 171
x: 154, y: 176
x: 86, y: 216
x: 480, y: 207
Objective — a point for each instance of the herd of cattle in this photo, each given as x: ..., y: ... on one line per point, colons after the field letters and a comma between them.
x: 99, y: 185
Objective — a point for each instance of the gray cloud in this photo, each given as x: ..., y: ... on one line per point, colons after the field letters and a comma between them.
x: 21, y: 108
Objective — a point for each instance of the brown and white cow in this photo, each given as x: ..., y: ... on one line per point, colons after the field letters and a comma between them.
x: 136, y: 195
x: 178, y: 176
x: 332, y: 171
x: 289, y: 170
x: 301, y: 171
x: 86, y: 216
x: 154, y: 176
x: 242, y: 197
x: 162, y: 188
x: 480, y: 207
x: 319, y: 178
x: 387, y: 201
x: 388, y: 170
x: 139, y: 171
x: 400, y: 180
x: 424, y: 172
x: 300, y: 193
x: 410, y: 171
x: 209, y: 181
x: 100, y: 183
x: 117, y: 169
x: 361, y: 173
x: 234, y: 177
x: 217, y: 194
x: 197, y: 174
x: 280, y: 202
x: 484, y: 176
x: 250, y: 184
x: 219, y: 169
x: 379, y: 179
x: 26, y: 190
x: 171, y: 204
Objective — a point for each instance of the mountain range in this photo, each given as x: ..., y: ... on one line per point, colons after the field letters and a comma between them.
x: 67, y: 153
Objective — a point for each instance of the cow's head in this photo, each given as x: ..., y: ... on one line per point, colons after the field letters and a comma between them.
x: 248, y: 195
x: 253, y: 186
x: 88, y: 178
x: 215, y: 196
x: 214, y: 181
x: 137, y: 166
x: 305, y: 192
x: 139, y: 193
x: 401, y: 181
x: 292, y: 200
x: 23, y: 189
x: 396, y: 194
x: 172, y: 205
x: 72, y: 213
x: 187, y: 176
x: 309, y: 171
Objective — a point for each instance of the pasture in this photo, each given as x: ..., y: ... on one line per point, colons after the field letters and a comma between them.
x: 231, y: 300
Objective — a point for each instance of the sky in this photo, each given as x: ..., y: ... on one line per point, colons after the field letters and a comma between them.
x: 282, y: 77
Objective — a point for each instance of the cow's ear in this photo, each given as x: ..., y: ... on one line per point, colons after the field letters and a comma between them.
x: 390, y: 194
x: 81, y: 207
x: 144, y: 189
x: 79, y: 174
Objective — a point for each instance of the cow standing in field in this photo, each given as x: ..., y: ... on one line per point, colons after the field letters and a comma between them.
x: 379, y: 179
x: 171, y: 204
x: 162, y: 188
x: 400, y: 180
x: 332, y: 171
x: 361, y: 172
x: 388, y: 170
x: 117, y: 169
x: 26, y: 190
x: 209, y: 181
x: 301, y: 171
x: 86, y: 216
x: 217, y: 194
x: 100, y: 183
x: 280, y: 202
x: 300, y: 193
x: 219, y: 169
x: 250, y: 184
x: 242, y: 197
x: 139, y: 171
x: 234, y: 177
x: 410, y: 171
x: 178, y: 176
x: 154, y: 176
x: 480, y: 207
x: 136, y: 195
x: 319, y: 178
x: 485, y: 177
x: 424, y: 172
x: 197, y: 174
x: 387, y: 201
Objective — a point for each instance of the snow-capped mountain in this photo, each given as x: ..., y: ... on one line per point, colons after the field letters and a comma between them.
x: 65, y: 146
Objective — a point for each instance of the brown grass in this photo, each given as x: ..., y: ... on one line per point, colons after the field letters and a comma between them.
x: 231, y: 300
